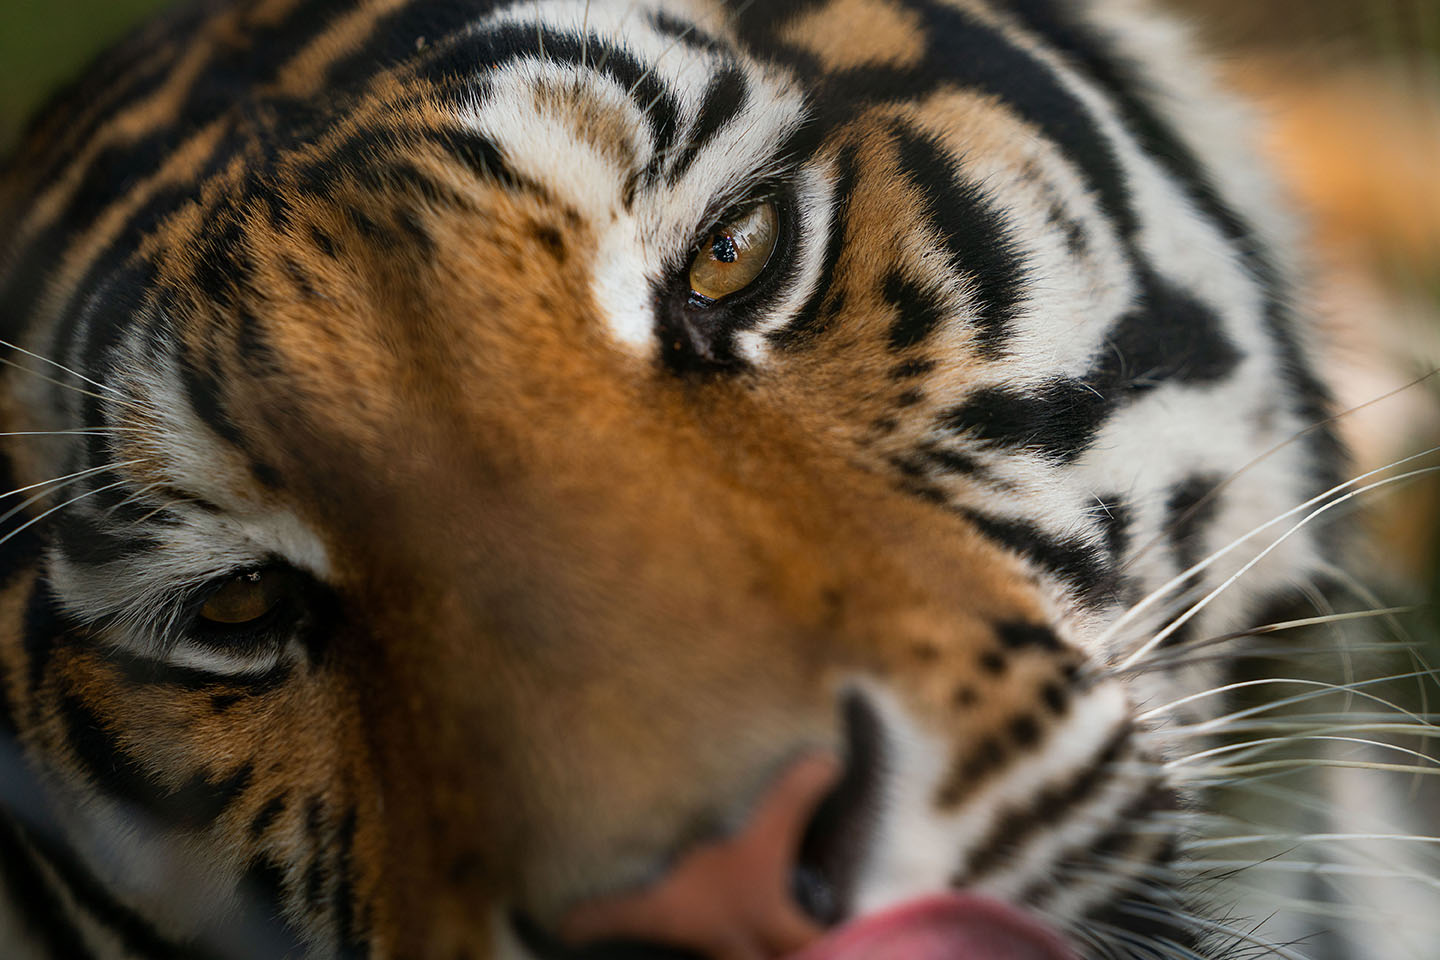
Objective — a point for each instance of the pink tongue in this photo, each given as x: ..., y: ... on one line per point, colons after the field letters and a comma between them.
x: 959, y: 927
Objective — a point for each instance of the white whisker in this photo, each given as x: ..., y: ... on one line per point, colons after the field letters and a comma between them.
x: 1265, y: 455
x: 59, y: 483
x: 60, y: 366
x: 1159, y: 638
x: 1180, y: 657
x: 34, y: 520
x: 1263, y: 744
x: 584, y: 33
x: 1183, y: 578
x: 1218, y: 723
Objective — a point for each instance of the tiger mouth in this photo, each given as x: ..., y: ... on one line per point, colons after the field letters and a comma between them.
x: 837, y: 834
x: 947, y: 927
x: 951, y: 926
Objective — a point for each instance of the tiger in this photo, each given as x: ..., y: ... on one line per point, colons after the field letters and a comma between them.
x: 657, y: 480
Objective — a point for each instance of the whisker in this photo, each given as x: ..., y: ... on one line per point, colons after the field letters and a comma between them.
x: 1180, y: 657
x: 82, y: 432
x: 1186, y: 575
x: 1398, y: 630
x: 1316, y: 867
x: 69, y: 386
x: 60, y: 366
x: 584, y: 33
x: 1306, y: 838
x: 163, y: 507
x: 680, y: 37
x: 1304, y: 726
x: 1278, y: 652
x: 624, y: 18
x: 1309, y: 802
x: 1267, y: 742
x: 1150, y: 944
x: 57, y: 483
x: 1326, y: 689
x: 34, y: 520
x: 137, y: 495
x: 1215, y: 491
x: 1168, y: 631
x: 1213, y: 926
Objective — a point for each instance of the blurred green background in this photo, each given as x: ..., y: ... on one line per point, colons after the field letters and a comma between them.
x: 43, y: 42
x: 1354, y: 89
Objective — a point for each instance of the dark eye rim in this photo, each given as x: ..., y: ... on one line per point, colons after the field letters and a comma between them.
x: 280, y: 623
x: 696, y: 334
x: 771, y: 275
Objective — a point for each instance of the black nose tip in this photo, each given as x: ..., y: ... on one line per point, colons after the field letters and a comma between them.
x: 839, y: 837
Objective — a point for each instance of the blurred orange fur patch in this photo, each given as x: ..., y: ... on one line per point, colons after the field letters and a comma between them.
x: 1361, y: 151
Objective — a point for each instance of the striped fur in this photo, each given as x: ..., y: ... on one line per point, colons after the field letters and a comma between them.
x: 391, y: 293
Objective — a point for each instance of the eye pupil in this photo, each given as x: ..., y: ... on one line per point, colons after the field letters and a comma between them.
x: 723, y: 249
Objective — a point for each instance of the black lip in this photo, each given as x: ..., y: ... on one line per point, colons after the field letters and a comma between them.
x: 837, y: 841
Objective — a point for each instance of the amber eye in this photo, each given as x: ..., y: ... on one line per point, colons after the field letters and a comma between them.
x: 245, y: 598
x: 735, y: 253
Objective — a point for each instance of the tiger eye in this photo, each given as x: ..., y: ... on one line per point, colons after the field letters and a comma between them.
x: 735, y: 253
x: 245, y: 599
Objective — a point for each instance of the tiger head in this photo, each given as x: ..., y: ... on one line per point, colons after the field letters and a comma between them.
x: 532, y: 480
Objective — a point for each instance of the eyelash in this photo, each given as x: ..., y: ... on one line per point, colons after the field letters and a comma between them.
x: 174, y: 620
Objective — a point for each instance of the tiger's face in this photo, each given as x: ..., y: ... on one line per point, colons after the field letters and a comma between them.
x: 540, y: 479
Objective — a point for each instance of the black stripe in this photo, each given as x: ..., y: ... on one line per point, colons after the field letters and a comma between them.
x: 1113, y: 513
x: 1190, y: 510
x: 315, y: 872
x: 84, y: 540
x: 110, y: 301
x: 351, y: 924
x: 918, y: 310
x: 478, y: 153
x: 9, y: 722
x: 685, y: 32
x: 1123, y: 81
x: 267, y: 815
x: 975, y: 235
x: 1020, y: 635
x: 953, y: 461
x: 1014, y: 828
x: 474, y: 54
x: 1058, y: 421
x: 984, y: 758
x: 911, y: 369
x: 395, y: 38
x: 31, y: 899
x: 1172, y: 337
x: 152, y: 672
x: 1072, y: 559
x: 206, y: 395
x: 42, y: 630
x: 724, y: 98
x: 810, y: 322
x: 195, y: 803
x: 18, y: 550
x: 235, y: 69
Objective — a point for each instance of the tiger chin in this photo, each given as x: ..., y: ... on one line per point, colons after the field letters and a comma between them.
x: 566, y: 480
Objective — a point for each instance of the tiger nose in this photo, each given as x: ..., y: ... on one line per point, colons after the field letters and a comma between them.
x: 729, y: 899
